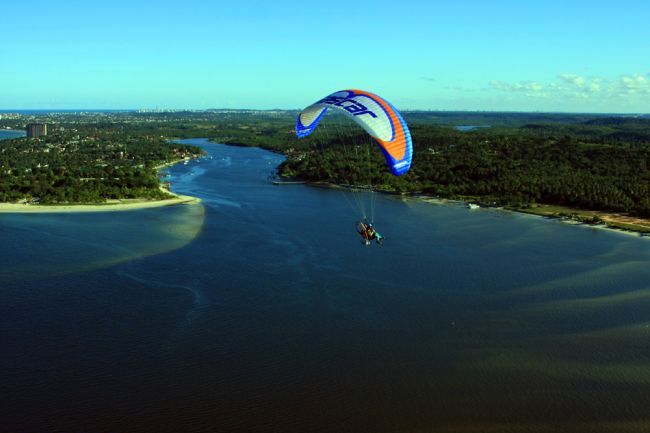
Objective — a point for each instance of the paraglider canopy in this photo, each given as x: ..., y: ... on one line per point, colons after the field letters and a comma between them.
x: 374, y: 114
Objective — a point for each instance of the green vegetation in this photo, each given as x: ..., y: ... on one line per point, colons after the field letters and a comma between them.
x: 88, y: 165
x: 581, y: 161
x: 591, y: 165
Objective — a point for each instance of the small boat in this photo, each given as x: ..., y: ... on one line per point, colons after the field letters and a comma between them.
x: 473, y: 206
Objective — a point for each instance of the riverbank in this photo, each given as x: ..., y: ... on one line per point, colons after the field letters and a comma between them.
x: 608, y: 220
x: 598, y: 219
x: 117, y: 205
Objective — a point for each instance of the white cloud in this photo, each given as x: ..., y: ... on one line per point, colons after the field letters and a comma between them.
x: 575, y: 86
x: 594, y: 86
x: 574, y: 79
x: 633, y: 84
x: 520, y: 86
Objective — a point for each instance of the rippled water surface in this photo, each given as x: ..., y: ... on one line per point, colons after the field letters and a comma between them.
x: 260, y: 310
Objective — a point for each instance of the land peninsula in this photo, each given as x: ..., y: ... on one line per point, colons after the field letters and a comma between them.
x: 88, y: 169
x: 580, y: 167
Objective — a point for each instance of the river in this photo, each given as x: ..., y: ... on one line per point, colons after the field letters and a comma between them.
x: 260, y: 310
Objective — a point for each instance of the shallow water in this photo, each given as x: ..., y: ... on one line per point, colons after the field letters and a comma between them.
x: 260, y: 310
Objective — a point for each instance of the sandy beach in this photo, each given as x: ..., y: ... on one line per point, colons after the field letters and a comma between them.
x: 109, y: 206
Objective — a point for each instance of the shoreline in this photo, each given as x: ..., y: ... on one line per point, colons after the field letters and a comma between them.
x: 115, y: 205
x: 607, y: 221
x: 616, y: 222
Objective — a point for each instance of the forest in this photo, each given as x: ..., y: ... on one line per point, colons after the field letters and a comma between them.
x: 601, y: 164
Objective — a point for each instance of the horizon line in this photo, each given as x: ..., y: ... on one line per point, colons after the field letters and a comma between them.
x: 198, y: 110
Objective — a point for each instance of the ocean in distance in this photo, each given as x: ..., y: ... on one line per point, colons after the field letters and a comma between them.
x: 260, y: 310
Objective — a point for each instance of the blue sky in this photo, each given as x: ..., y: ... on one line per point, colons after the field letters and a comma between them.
x: 554, y: 55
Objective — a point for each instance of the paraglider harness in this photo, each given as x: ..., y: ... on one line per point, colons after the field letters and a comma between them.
x: 368, y: 233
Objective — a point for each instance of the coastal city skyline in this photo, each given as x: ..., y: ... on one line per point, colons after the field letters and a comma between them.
x: 502, y: 56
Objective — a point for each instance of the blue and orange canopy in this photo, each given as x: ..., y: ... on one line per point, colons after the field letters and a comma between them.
x: 374, y: 114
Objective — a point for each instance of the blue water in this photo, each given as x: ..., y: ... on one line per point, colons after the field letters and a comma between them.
x: 260, y: 310
x: 466, y: 128
x: 10, y: 133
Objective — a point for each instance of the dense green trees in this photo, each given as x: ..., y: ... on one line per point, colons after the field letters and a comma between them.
x: 85, y: 166
x: 514, y: 168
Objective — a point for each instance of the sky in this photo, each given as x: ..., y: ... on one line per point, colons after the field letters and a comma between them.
x: 557, y: 56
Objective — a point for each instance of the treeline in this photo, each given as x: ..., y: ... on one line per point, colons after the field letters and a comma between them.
x: 580, y: 160
x: 517, y: 168
x: 85, y: 167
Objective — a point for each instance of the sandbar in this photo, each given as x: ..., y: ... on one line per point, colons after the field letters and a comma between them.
x: 109, y: 206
